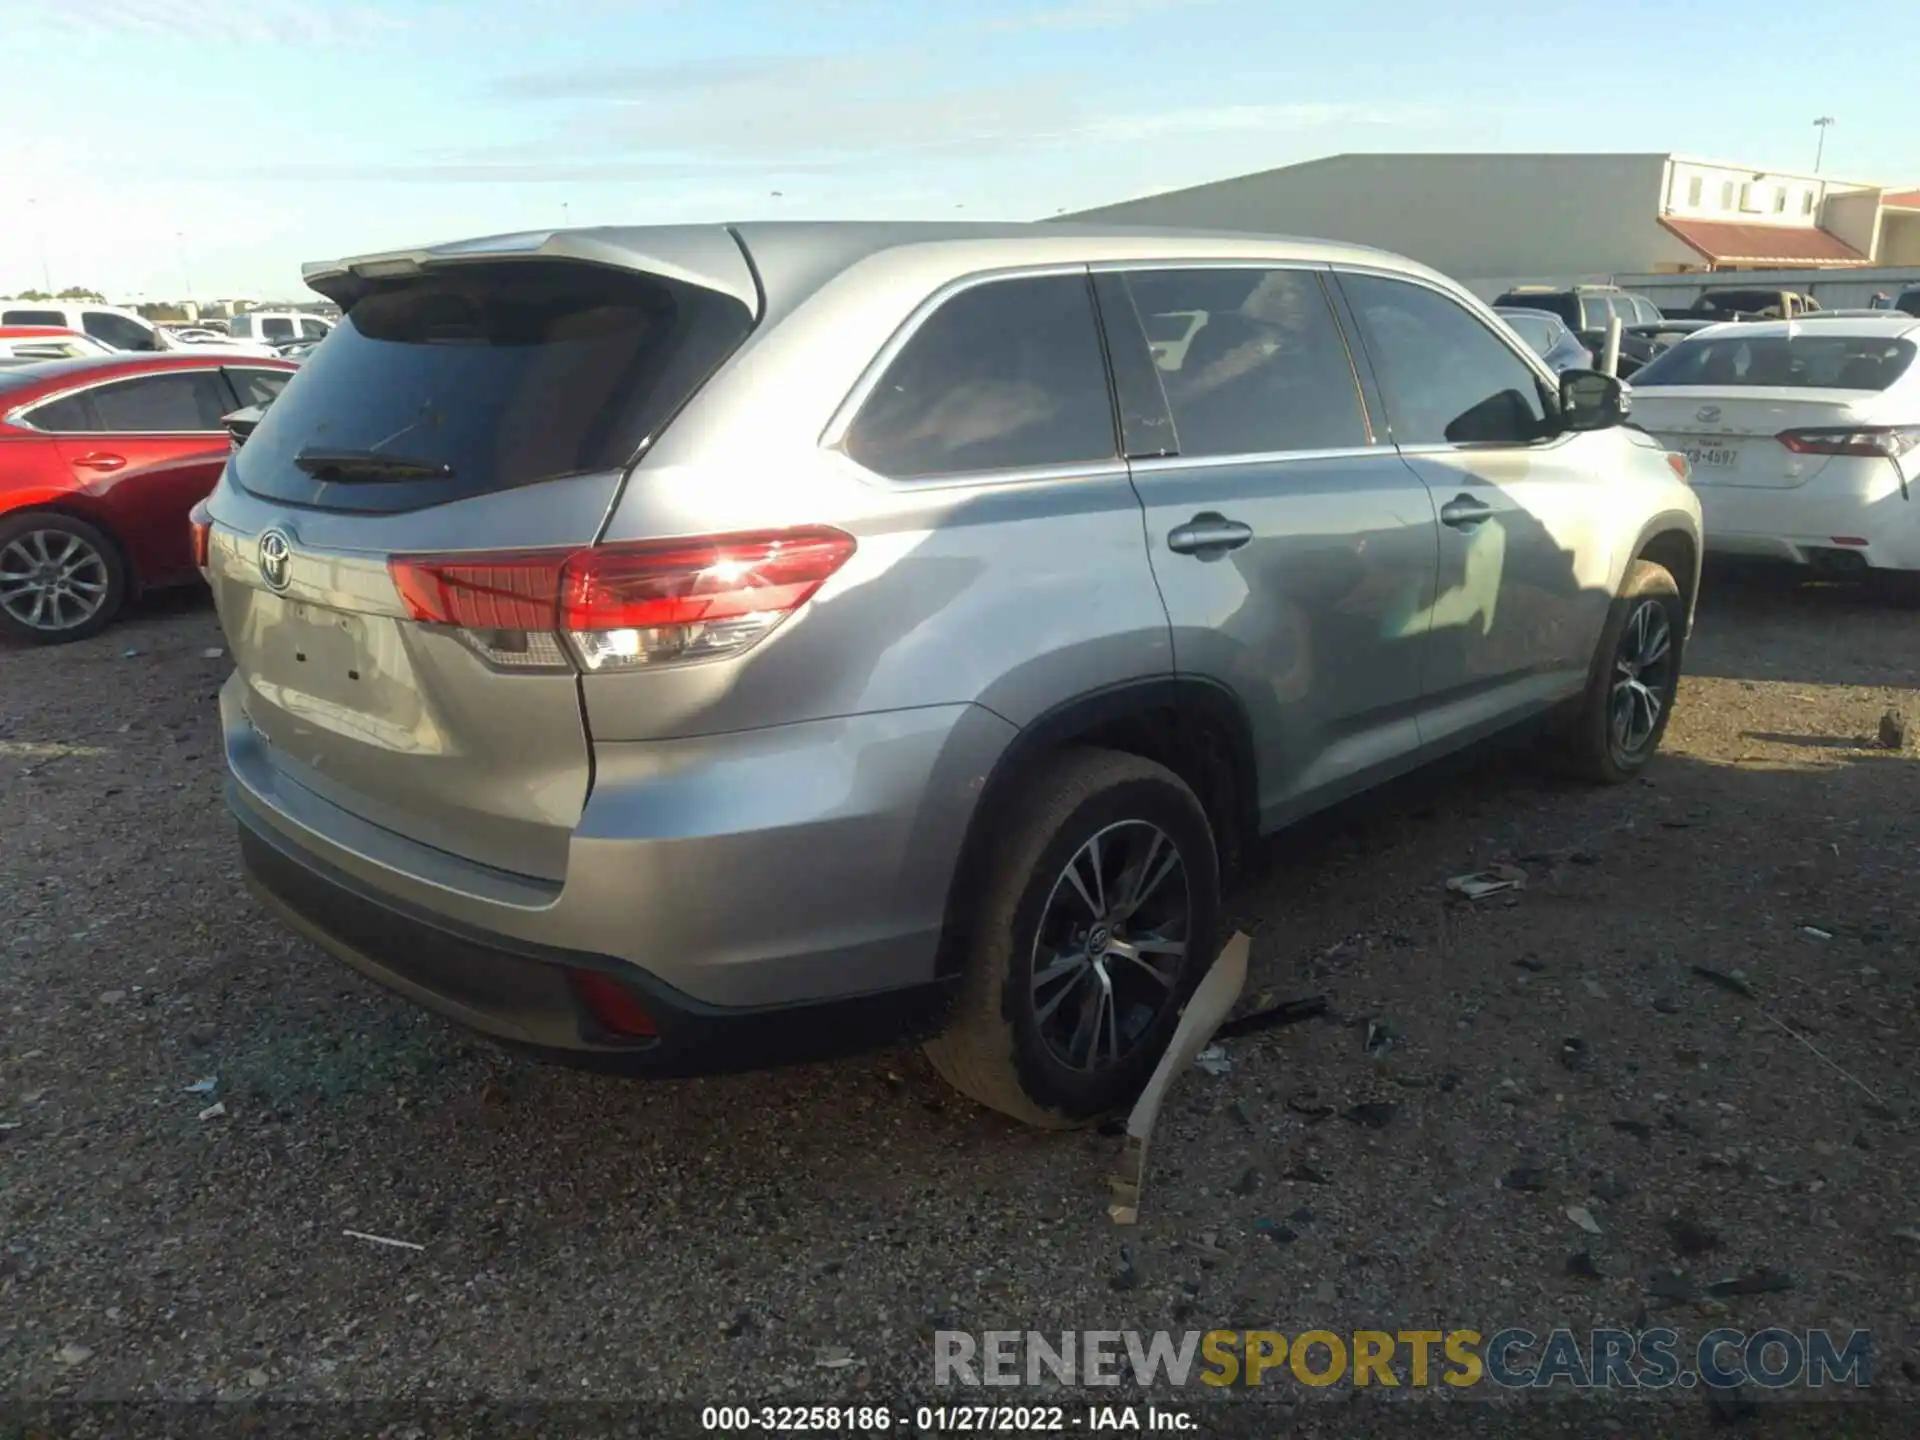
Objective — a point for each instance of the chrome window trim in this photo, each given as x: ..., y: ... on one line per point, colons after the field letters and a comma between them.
x: 17, y: 416
x: 1172, y: 464
x: 1071, y: 472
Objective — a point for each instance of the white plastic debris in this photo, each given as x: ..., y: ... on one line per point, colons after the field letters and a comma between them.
x: 204, y: 1086
x: 1214, y: 1060
x: 382, y: 1240
x: 1216, y: 995
x: 212, y: 652
x: 1816, y: 932
x: 1483, y: 883
x: 214, y: 1111
x: 834, y: 1357
x: 1583, y: 1217
x: 74, y: 1354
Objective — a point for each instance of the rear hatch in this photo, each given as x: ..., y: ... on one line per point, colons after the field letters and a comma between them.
x: 388, y: 546
x: 1767, y: 410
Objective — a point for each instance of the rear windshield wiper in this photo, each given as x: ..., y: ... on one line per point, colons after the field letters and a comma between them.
x: 369, y: 465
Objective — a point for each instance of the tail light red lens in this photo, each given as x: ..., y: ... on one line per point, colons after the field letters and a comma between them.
x: 200, y: 521
x: 1887, y: 442
x: 628, y: 605
x: 612, y: 1006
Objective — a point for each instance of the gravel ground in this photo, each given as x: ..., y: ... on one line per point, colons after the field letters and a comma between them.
x: 718, y: 1239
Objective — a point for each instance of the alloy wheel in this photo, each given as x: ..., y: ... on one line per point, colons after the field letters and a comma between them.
x: 1111, y: 945
x: 1642, y: 678
x: 51, y: 580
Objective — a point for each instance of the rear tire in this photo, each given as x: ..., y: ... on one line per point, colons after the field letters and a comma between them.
x: 1117, y: 945
x: 61, y: 579
x: 1636, y: 667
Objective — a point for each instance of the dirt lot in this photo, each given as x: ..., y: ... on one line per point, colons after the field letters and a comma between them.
x: 717, y: 1239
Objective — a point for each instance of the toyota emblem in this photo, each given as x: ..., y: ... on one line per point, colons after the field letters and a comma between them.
x: 276, y: 559
x: 1708, y: 413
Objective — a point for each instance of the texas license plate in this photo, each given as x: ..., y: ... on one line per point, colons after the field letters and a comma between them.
x: 1711, y: 457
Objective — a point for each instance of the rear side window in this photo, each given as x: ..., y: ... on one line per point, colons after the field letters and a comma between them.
x: 240, y: 327
x: 33, y: 317
x: 275, y: 327
x: 1812, y: 362
x: 258, y: 387
x: 1449, y: 379
x: 508, y: 373
x: 182, y: 401
x: 1536, y: 332
x: 1006, y: 375
x: 1596, y: 310
x: 1252, y: 361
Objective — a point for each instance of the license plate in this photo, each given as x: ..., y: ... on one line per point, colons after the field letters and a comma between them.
x: 1711, y: 457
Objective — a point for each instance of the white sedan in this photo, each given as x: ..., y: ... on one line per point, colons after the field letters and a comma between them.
x: 1803, y: 437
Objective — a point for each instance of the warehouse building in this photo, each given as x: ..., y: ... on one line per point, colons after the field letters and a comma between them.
x: 1492, y: 220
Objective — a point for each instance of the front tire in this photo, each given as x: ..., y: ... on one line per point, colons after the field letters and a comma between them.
x: 1635, y: 676
x: 61, y: 579
x: 1098, y: 916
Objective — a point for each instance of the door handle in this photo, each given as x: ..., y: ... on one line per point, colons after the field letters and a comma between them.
x: 1463, y: 512
x: 1208, y: 533
x: 99, y: 460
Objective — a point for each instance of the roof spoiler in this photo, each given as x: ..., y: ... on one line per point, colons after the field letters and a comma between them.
x: 709, y: 256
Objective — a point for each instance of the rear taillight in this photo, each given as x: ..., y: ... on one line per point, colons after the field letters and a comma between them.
x: 1677, y: 463
x: 626, y: 606
x: 1887, y: 442
x: 200, y: 522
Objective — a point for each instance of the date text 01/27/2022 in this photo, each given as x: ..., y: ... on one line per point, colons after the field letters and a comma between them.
x: 944, y: 1419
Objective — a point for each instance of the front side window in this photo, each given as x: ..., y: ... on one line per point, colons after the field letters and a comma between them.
x: 1595, y: 311
x: 258, y: 387
x: 1262, y: 367
x: 1645, y: 312
x: 1537, y: 332
x: 276, y: 327
x: 118, y: 331
x: 313, y: 329
x: 1006, y: 375
x: 1448, y: 378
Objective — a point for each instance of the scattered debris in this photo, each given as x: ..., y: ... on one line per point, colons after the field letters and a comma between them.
x: 1611, y: 1189
x: 1304, y: 1104
x: 1573, y: 1053
x: 834, y: 1357
x: 1301, y: 1216
x: 1689, y: 1236
x: 1379, y: 1040
x: 130, y: 654
x: 1893, y: 731
x: 212, y: 652
x: 1675, y: 1285
x: 1213, y: 1060
x: 201, y: 1036
x: 1596, y: 989
x: 112, y: 997
x: 1482, y: 883
x: 1278, y: 1234
x: 6, y: 1125
x: 1306, y: 1175
x: 215, y: 1111
x: 1816, y: 932
x: 1909, y: 1233
x: 1214, y: 997
x: 74, y: 1354
x: 1583, y: 1217
x: 382, y: 1240
x: 1288, y: 1012
x: 1127, y: 1277
x: 1760, y: 1282
x: 257, y: 1378
x: 1725, y: 981
x: 1666, y: 1005
x: 1238, y: 1114
x: 1580, y: 1264
x: 204, y: 1086
x: 1533, y: 964
x: 1529, y: 1178
x: 1374, y: 1114
x: 1248, y: 1182
x: 1449, y: 1082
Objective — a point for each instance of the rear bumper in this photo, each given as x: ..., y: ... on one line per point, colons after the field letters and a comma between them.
x: 525, y: 994
x: 1849, y: 501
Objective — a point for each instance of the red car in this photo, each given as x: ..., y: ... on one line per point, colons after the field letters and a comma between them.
x: 101, y: 459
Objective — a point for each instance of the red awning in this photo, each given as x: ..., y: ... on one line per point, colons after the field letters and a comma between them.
x: 1726, y: 243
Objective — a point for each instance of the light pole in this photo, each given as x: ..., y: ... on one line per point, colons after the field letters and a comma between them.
x: 40, y: 243
x: 186, y: 275
x: 1820, y: 149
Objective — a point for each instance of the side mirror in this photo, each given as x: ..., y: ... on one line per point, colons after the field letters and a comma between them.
x: 1591, y: 401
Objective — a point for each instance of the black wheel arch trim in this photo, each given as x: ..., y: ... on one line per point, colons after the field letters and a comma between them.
x: 1681, y: 521
x: 1233, y: 804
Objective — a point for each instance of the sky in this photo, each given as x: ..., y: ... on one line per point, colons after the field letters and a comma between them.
x: 208, y: 147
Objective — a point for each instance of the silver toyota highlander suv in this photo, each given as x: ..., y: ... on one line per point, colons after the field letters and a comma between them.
x: 669, y: 649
